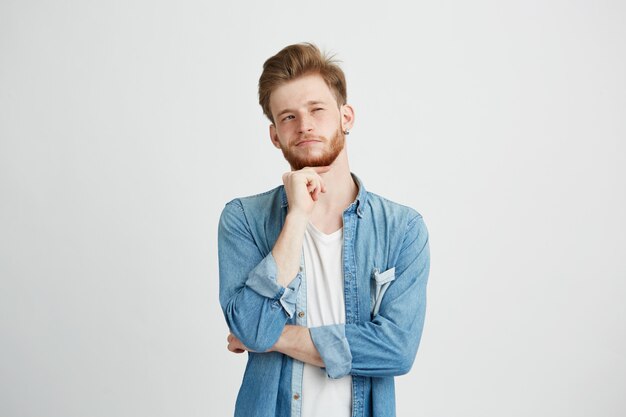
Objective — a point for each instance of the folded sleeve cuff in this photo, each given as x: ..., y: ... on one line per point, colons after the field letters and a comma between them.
x: 332, y: 345
x: 262, y: 280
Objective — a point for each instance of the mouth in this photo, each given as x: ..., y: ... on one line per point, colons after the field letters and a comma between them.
x: 307, y: 141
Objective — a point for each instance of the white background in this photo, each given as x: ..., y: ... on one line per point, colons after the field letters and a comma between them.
x: 125, y: 126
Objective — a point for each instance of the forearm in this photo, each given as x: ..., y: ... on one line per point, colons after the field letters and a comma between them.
x: 296, y: 342
x: 262, y: 332
x: 287, y: 250
x: 381, y: 348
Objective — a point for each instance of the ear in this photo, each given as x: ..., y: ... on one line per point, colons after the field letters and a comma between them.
x: 274, y: 136
x: 347, y: 117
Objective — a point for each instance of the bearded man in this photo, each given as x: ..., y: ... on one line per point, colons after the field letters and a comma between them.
x: 322, y: 283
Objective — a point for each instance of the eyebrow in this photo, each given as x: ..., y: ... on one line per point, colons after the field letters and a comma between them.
x: 308, y: 103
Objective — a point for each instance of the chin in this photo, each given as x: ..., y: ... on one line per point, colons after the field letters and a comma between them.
x: 315, y: 157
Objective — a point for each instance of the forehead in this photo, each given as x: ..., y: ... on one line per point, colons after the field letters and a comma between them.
x: 296, y: 93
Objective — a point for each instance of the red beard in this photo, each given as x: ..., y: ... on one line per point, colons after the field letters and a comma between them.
x: 335, y: 146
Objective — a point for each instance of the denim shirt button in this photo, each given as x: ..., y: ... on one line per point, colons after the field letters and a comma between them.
x: 301, y: 314
x: 296, y: 396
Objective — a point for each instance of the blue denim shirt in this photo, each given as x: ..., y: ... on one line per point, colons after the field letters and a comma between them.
x: 385, y: 266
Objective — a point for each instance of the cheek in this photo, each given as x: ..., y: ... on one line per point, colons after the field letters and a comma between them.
x: 282, y: 137
x: 286, y: 133
x: 331, y: 118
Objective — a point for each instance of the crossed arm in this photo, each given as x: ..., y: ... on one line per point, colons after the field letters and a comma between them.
x: 294, y: 341
x: 282, y: 264
x: 258, y: 297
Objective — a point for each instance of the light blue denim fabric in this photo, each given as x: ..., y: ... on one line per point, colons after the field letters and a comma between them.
x: 386, y: 263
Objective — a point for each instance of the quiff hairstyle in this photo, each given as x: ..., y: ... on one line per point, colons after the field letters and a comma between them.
x: 295, y: 61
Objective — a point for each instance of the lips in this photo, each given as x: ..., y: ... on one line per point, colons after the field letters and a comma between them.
x: 306, y: 140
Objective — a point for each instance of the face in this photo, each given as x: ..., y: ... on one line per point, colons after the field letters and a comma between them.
x: 308, y: 123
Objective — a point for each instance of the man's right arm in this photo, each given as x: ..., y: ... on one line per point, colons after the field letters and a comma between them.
x: 258, y: 293
x: 256, y: 306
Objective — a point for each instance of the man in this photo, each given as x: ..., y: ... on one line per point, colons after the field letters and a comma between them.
x: 321, y: 282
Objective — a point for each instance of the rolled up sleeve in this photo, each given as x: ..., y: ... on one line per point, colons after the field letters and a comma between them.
x: 332, y: 345
x: 262, y: 280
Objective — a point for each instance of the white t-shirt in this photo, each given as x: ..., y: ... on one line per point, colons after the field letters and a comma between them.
x: 322, y: 396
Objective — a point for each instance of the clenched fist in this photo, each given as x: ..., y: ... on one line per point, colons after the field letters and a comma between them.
x: 303, y: 188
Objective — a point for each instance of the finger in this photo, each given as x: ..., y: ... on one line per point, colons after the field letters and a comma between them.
x: 314, y: 184
x: 321, y: 170
x: 322, y: 185
x: 315, y: 194
x: 315, y: 189
x: 321, y: 188
x: 236, y: 348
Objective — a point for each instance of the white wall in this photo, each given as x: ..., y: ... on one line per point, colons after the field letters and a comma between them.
x: 126, y: 125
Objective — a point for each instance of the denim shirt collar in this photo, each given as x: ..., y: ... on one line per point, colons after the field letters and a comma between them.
x: 356, y: 206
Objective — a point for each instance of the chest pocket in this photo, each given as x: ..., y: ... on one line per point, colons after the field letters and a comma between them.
x: 380, y: 282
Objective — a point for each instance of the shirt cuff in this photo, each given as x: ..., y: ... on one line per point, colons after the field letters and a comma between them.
x: 332, y: 345
x: 262, y: 280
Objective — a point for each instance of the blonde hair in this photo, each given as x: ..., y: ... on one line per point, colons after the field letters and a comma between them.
x: 295, y: 61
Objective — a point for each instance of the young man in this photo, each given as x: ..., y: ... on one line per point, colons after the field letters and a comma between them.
x: 321, y: 282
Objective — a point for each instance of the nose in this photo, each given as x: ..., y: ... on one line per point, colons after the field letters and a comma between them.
x: 306, y: 124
